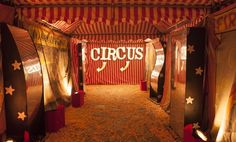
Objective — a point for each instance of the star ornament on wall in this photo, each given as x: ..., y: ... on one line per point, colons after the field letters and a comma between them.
x: 21, y: 115
x: 196, y: 125
x: 198, y: 71
x: 9, y: 90
x: 16, y: 65
x: 190, y: 49
x: 189, y: 100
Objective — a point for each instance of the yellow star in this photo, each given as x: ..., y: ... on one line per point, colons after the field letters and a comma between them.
x: 190, y: 49
x: 189, y: 100
x: 199, y: 71
x: 21, y: 115
x: 9, y: 90
x: 16, y: 65
x: 196, y: 125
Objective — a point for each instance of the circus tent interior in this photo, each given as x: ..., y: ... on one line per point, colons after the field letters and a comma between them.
x: 118, y: 70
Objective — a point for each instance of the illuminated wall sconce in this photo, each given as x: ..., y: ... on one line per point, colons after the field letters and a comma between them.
x: 9, y: 140
x: 199, y: 134
x: 148, y: 40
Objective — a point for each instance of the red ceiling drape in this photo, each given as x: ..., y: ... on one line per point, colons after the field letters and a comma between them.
x: 111, y: 15
x: 112, y: 73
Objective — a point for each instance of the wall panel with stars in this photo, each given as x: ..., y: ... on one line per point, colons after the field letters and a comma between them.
x: 194, y: 77
x: 22, y: 84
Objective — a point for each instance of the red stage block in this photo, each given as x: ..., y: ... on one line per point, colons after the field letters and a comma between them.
x: 143, y: 85
x: 188, y: 134
x: 78, y: 98
x: 61, y: 116
x: 26, y: 136
x: 52, y: 123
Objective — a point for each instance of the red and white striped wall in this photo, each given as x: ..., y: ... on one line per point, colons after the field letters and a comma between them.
x: 112, y: 73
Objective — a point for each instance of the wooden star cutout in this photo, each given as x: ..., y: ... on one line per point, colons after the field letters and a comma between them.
x: 189, y: 100
x: 196, y: 125
x: 190, y: 49
x: 16, y: 65
x: 9, y: 90
x: 21, y: 115
x: 199, y: 71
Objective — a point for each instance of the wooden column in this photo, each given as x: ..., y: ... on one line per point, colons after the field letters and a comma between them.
x: 80, y: 68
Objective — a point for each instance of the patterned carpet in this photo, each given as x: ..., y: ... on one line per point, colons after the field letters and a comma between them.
x: 120, y: 113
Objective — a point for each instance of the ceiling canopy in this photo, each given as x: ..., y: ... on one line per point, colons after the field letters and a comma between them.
x: 128, y: 14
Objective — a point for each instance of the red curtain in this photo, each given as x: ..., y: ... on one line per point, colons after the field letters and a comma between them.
x: 113, y: 73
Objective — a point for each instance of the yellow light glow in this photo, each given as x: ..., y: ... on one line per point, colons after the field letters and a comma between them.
x: 9, y: 140
x: 148, y: 40
x: 68, y: 86
x: 222, y: 113
x: 220, y: 118
x: 201, y: 135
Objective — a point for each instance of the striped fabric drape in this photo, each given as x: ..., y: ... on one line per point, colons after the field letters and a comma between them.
x: 111, y: 15
x: 170, y: 2
x: 123, y: 31
x: 112, y: 73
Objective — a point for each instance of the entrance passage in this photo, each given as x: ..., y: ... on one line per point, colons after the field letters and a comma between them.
x: 115, y: 113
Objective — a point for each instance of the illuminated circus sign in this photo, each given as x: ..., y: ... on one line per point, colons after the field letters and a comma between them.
x: 112, y: 54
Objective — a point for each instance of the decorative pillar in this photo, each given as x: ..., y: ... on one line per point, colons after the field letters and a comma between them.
x: 161, y: 77
x: 194, y: 95
x: 23, y: 90
x: 80, y: 68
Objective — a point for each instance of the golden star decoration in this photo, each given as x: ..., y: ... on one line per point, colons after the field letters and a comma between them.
x: 9, y: 90
x: 196, y: 125
x: 16, y: 65
x: 189, y: 100
x: 199, y: 71
x: 190, y: 49
x: 21, y: 115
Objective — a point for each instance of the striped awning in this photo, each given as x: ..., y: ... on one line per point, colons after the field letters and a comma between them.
x: 110, y: 15
x: 123, y: 31
x: 163, y: 2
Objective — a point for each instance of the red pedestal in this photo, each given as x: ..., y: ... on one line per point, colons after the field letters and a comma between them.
x: 52, y: 123
x: 78, y: 98
x: 143, y: 85
x: 26, y: 136
x: 55, y: 119
x: 188, y: 134
x: 61, y: 116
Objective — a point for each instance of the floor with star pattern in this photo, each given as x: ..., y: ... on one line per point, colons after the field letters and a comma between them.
x: 115, y: 113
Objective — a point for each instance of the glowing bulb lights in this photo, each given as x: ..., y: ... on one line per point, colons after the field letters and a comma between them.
x: 9, y: 140
x: 201, y: 135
